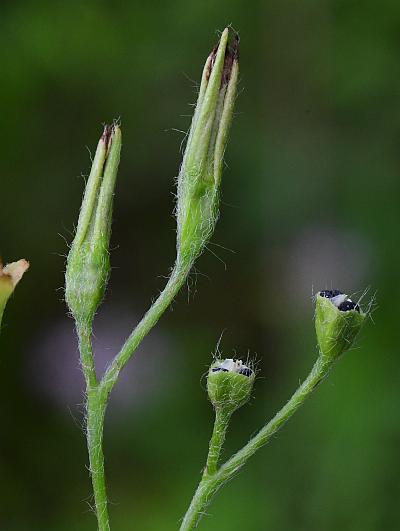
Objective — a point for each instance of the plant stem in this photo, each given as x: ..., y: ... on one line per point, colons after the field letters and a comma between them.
x: 210, y: 484
x: 97, y: 393
x: 95, y: 410
x: 217, y: 440
x: 206, y: 488
x: 94, y: 431
x: 84, y: 331
x: 174, y: 284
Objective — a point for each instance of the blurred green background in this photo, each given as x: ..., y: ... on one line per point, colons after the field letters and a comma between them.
x: 310, y: 201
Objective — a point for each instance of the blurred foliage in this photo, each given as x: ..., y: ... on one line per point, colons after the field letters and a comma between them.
x: 310, y: 201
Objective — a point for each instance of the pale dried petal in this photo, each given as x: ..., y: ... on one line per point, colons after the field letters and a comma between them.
x: 14, y: 271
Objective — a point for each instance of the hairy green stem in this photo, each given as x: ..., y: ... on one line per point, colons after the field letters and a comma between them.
x: 84, y: 331
x: 97, y: 392
x: 207, y: 486
x: 217, y: 440
x: 94, y: 431
x: 210, y: 484
x: 95, y: 410
x: 174, y: 284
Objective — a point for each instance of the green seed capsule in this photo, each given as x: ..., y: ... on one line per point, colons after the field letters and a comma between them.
x: 200, y: 174
x: 337, y: 322
x: 229, y: 384
x: 88, y: 264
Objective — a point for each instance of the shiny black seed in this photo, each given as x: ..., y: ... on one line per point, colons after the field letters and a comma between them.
x: 330, y: 293
x: 246, y: 371
x: 348, y: 305
x: 217, y: 369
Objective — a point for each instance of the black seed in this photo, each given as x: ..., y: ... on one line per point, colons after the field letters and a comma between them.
x: 330, y: 293
x: 246, y: 371
x: 217, y: 369
x: 348, y: 305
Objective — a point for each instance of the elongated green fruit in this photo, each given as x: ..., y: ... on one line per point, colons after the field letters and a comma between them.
x: 88, y: 264
x: 197, y: 210
x: 199, y: 183
x: 200, y: 174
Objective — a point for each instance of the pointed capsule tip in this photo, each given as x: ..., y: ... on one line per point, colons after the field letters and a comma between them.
x: 231, y: 54
x: 116, y: 129
x: 224, y: 35
x: 107, y: 133
x: 231, y: 57
x: 236, y: 47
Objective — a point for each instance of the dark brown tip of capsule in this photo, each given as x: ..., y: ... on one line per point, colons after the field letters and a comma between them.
x: 231, y: 55
x: 107, y: 134
x: 212, y: 57
x: 236, y: 46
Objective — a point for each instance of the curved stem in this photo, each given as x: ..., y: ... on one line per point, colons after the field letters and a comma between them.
x: 97, y: 392
x: 317, y: 374
x: 209, y: 485
x: 174, y: 284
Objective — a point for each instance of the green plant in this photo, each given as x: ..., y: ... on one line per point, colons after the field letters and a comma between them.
x: 338, y: 321
x: 229, y: 381
x: 88, y: 266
